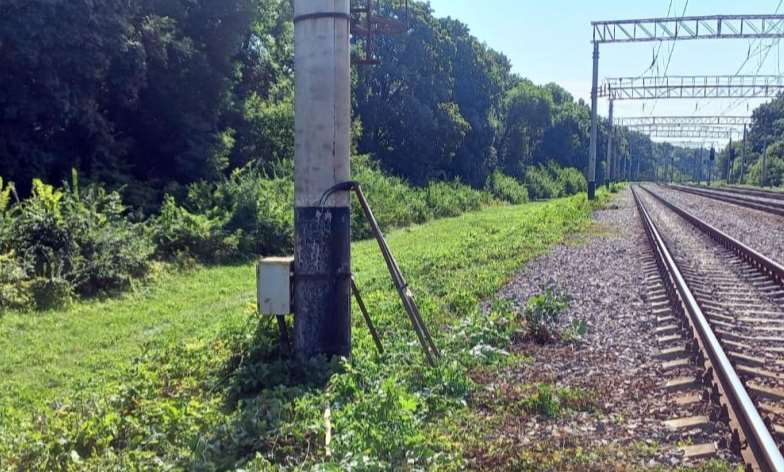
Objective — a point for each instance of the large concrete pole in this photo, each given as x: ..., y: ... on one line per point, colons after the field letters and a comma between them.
x: 610, y: 164
x: 322, y: 63
x: 594, y: 124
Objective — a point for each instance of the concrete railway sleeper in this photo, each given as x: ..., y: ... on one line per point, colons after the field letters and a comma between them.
x: 720, y: 341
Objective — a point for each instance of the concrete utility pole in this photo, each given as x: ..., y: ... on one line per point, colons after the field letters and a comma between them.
x: 594, y: 124
x: 610, y: 164
x: 322, y: 284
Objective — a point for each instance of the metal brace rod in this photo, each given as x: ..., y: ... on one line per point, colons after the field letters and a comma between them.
x: 406, y: 297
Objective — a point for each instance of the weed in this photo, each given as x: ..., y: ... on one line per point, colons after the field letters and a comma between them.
x: 545, y: 402
x: 552, y: 402
x: 543, y: 315
x: 575, y: 331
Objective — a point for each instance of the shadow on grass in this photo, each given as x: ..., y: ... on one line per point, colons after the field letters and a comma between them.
x: 270, y: 406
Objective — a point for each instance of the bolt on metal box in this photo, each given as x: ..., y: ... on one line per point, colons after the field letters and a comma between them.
x: 273, y: 285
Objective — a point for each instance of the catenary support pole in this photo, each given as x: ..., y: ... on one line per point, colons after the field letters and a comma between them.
x: 765, y: 163
x: 728, y: 163
x: 322, y: 122
x: 594, y: 124
x: 743, y: 156
x: 637, y: 171
x: 611, y: 174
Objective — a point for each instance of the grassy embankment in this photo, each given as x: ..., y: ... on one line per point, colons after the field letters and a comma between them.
x: 179, y: 375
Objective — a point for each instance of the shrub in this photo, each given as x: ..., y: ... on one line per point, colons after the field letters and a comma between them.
x: 447, y: 199
x: 553, y: 181
x: 543, y: 315
x: 250, y: 213
x: 178, y: 233
x: 245, y: 215
x: 572, y: 180
x: 14, y: 285
x: 506, y: 188
x: 541, y: 185
x: 775, y: 172
x: 75, y: 242
x: 394, y: 203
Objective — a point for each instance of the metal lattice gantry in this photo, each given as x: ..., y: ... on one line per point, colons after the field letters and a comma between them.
x: 689, y: 27
x: 673, y: 29
x: 698, y: 86
x: 692, y: 143
x: 714, y: 120
x: 691, y: 132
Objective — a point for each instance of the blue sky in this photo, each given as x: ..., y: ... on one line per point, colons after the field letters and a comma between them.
x: 549, y: 41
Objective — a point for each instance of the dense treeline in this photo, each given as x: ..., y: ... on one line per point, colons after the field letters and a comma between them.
x: 177, y: 118
x: 151, y: 95
x: 765, y: 138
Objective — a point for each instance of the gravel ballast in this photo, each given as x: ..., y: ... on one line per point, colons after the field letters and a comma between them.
x: 616, y: 360
x: 762, y: 231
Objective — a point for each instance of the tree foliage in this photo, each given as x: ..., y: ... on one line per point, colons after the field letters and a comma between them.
x: 149, y: 96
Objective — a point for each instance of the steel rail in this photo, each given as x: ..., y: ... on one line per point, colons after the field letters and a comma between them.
x: 772, y: 207
x: 761, y: 262
x: 756, y: 192
x: 765, y: 452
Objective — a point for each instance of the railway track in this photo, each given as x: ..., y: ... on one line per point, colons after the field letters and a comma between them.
x: 720, y: 326
x: 754, y: 199
x: 755, y: 192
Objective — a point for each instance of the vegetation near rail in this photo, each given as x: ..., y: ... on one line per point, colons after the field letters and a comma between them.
x: 196, y: 381
x: 63, y: 243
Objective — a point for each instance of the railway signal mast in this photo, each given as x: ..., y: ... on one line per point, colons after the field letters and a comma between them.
x: 678, y: 29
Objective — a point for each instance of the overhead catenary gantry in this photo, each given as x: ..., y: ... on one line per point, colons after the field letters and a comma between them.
x: 715, y: 120
x: 698, y: 86
x: 691, y: 132
x: 673, y: 29
x: 689, y: 27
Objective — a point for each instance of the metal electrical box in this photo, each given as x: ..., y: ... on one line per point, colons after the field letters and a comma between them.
x: 273, y: 285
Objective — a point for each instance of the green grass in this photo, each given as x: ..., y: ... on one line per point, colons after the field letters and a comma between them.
x: 46, y: 355
x: 185, y: 377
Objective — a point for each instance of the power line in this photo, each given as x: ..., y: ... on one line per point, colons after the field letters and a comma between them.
x: 672, y: 47
x: 758, y: 54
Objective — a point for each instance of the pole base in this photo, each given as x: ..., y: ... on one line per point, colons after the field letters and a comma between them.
x: 591, y: 190
x: 322, y: 282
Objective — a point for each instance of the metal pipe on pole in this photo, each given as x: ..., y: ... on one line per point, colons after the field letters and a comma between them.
x: 594, y: 124
x: 322, y: 254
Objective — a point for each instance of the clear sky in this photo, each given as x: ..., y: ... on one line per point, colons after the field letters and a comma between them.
x: 549, y: 41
